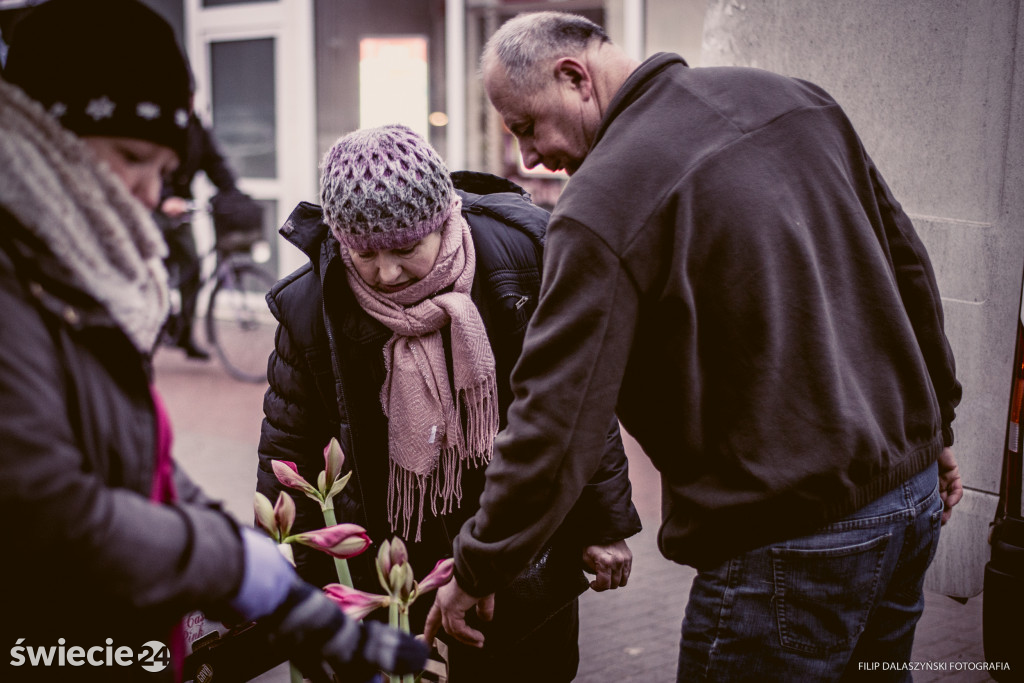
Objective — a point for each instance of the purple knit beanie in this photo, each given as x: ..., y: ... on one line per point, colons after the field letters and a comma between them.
x: 384, y: 188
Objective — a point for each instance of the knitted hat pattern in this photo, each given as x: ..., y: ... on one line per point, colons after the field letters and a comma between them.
x: 384, y: 188
x: 104, y: 67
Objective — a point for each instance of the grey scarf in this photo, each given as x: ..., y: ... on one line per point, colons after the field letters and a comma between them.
x: 103, y: 237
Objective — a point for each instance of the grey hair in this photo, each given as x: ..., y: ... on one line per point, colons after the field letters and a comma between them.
x: 528, y: 40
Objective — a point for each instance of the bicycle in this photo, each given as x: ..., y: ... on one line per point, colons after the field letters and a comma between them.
x: 238, y: 324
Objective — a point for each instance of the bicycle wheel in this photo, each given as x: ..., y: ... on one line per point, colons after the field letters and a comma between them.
x: 238, y: 323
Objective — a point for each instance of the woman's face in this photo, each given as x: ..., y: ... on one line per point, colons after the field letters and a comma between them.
x: 392, y: 270
x: 141, y: 165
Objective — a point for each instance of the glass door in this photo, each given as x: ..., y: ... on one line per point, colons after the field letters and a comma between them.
x: 253, y: 64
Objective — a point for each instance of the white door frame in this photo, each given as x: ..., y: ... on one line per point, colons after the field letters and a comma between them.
x: 290, y: 23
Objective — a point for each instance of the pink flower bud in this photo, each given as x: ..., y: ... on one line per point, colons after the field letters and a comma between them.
x: 408, y: 587
x: 265, y: 515
x: 284, y: 513
x: 399, y: 553
x: 334, y: 458
x: 288, y: 474
x: 384, y: 560
x: 438, y: 576
x: 397, y: 579
x: 354, y: 602
x: 341, y: 540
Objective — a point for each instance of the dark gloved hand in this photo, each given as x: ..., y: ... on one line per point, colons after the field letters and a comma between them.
x: 320, y: 640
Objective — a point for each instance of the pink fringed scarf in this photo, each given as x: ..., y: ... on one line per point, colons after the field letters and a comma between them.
x: 428, y: 443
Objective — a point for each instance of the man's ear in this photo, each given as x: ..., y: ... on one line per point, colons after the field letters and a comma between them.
x: 574, y: 74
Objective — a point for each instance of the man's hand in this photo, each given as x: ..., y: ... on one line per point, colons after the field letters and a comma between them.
x: 611, y: 563
x: 449, y: 610
x: 950, y: 488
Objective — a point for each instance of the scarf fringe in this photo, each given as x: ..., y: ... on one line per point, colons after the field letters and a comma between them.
x: 480, y: 406
x: 402, y: 487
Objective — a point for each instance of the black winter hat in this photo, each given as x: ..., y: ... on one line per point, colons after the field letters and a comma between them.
x: 104, y: 67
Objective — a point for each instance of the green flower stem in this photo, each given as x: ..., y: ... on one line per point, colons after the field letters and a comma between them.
x: 296, y: 675
x: 393, y: 614
x: 340, y: 566
x: 393, y: 619
x: 403, y: 625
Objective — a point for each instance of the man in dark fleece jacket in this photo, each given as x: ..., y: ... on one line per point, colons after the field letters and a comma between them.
x: 728, y: 272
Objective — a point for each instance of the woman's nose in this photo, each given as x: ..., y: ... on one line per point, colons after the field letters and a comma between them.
x: 389, y: 270
x: 147, y: 191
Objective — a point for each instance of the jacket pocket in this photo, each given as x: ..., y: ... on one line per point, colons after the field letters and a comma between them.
x: 824, y: 596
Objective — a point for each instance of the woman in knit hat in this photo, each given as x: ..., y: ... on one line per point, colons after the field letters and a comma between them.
x: 398, y: 339
x: 113, y: 544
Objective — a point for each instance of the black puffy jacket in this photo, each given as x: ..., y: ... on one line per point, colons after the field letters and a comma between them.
x: 327, y: 371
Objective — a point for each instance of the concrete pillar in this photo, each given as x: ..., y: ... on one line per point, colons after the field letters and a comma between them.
x: 936, y: 91
x: 674, y: 26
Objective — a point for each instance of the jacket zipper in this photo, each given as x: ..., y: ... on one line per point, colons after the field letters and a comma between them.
x: 521, y: 299
x: 341, y: 394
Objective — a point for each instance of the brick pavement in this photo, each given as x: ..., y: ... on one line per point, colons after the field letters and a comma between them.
x: 628, y: 635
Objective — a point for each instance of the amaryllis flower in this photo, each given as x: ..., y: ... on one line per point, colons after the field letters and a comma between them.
x: 391, y: 553
x: 276, y: 520
x: 401, y: 582
x: 334, y: 458
x: 284, y: 513
x: 288, y: 474
x: 438, y: 576
x: 328, y: 482
x: 341, y: 540
x: 265, y: 514
x: 354, y: 602
x: 384, y: 562
x: 392, y: 556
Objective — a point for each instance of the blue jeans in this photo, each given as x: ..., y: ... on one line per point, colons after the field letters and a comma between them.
x: 835, y: 605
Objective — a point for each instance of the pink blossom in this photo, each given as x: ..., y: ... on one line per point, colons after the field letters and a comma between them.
x: 400, y: 582
x: 275, y: 519
x: 334, y: 458
x: 392, y: 569
x: 438, y: 576
x: 399, y: 553
x: 284, y: 513
x: 341, y: 540
x: 288, y: 474
x: 354, y: 602
x: 265, y: 515
x: 384, y: 561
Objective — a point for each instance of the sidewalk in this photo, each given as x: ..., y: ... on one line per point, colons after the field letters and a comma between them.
x: 627, y: 635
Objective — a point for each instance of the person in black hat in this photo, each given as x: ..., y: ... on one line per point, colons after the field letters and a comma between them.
x: 114, y: 543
